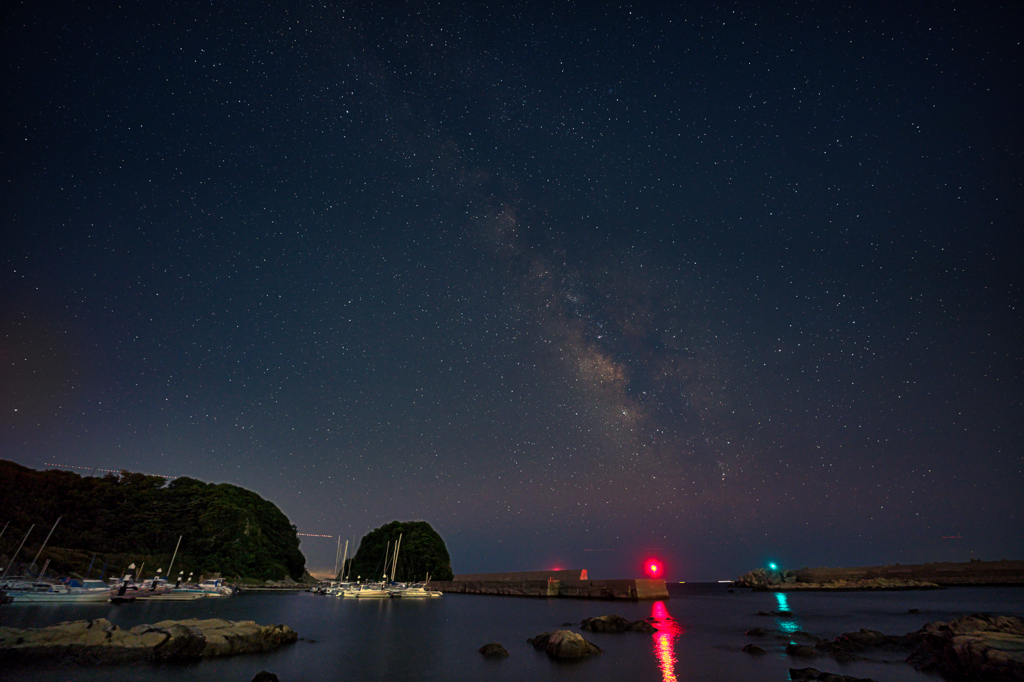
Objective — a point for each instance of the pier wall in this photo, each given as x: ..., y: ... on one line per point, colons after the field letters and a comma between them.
x: 628, y: 589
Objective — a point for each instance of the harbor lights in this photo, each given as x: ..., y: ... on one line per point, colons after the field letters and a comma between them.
x: 653, y: 568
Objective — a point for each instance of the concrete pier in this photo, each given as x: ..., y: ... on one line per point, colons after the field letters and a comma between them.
x: 554, y: 584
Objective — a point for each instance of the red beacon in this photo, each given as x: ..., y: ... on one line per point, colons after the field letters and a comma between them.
x: 653, y: 568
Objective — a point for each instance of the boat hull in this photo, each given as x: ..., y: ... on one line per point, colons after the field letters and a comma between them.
x: 58, y: 598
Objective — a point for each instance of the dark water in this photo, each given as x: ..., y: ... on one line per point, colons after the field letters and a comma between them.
x: 701, y: 632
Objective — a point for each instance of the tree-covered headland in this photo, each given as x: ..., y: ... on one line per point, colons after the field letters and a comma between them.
x: 114, y: 520
x: 422, y: 552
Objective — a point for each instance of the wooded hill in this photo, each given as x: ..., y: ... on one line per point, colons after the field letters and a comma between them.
x: 422, y: 551
x: 132, y: 518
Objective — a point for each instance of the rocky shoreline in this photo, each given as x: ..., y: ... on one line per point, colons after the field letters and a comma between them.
x: 979, y: 647
x: 852, y: 585
x: 892, y: 577
x: 786, y: 581
x: 100, y: 642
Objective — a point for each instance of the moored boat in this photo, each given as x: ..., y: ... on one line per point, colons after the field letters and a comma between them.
x: 59, y: 593
x: 418, y: 591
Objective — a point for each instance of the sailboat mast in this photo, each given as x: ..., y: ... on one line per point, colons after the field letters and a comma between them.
x: 337, y: 554
x: 348, y: 576
x: 46, y: 540
x: 16, y: 552
x: 175, y: 555
x: 394, y: 563
x: 344, y: 557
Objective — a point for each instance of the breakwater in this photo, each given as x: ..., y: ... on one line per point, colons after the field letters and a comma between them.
x: 632, y: 589
x: 944, y: 573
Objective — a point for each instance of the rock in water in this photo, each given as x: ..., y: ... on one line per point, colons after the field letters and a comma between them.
x: 754, y: 650
x: 977, y: 647
x: 615, y: 624
x: 564, y: 644
x: 100, y: 642
x: 802, y: 651
x: 812, y: 675
x: 493, y: 650
x: 264, y: 676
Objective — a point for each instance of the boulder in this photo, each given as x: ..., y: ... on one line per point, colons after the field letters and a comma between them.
x: 866, y: 639
x: 754, y: 650
x: 493, y: 650
x: 757, y: 632
x: 802, y: 651
x: 615, y: 624
x: 101, y: 642
x: 564, y: 644
x: 264, y: 676
x: 976, y: 647
x: 812, y: 675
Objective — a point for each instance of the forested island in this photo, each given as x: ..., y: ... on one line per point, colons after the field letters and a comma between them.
x: 422, y: 552
x: 109, y: 522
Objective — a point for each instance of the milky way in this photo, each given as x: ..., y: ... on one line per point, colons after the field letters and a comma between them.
x: 717, y: 285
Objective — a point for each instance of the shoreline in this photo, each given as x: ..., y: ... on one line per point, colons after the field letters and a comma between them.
x: 936, y: 575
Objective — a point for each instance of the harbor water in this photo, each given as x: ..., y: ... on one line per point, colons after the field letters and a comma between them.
x: 701, y: 631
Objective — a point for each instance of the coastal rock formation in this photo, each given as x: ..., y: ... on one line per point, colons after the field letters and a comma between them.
x: 977, y: 647
x: 564, y: 644
x: 962, y: 573
x: 764, y: 579
x: 265, y: 676
x: 802, y: 651
x: 862, y: 584
x: 615, y: 624
x: 754, y: 650
x: 101, y: 642
x: 493, y: 650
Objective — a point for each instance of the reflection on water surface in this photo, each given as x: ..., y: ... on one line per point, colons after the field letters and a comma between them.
x: 787, y: 626
x: 664, y: 640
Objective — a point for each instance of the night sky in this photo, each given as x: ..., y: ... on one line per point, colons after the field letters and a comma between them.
x: 705, y: 282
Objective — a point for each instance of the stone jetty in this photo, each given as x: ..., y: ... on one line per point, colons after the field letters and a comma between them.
x: 571, y: 584
x: 97, y: 642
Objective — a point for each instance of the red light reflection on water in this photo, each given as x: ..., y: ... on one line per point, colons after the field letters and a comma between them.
x: 664, y: 640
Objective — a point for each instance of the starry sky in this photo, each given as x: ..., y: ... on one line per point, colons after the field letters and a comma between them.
x: 706, y: 282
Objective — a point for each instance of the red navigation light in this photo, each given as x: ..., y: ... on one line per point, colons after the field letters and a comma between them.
x: 653, y: 568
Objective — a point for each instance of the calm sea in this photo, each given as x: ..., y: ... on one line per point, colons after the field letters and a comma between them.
x: 700, y: 634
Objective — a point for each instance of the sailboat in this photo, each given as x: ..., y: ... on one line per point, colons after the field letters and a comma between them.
x: 377, y: 590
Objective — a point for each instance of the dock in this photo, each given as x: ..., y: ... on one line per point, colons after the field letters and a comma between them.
x: 572, y: 584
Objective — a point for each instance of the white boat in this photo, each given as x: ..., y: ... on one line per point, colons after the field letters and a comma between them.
x: 61, y: 594
x: 368, y: 591
x: 339, y: 589
x: 214, y: 588
x: 419, y: 591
